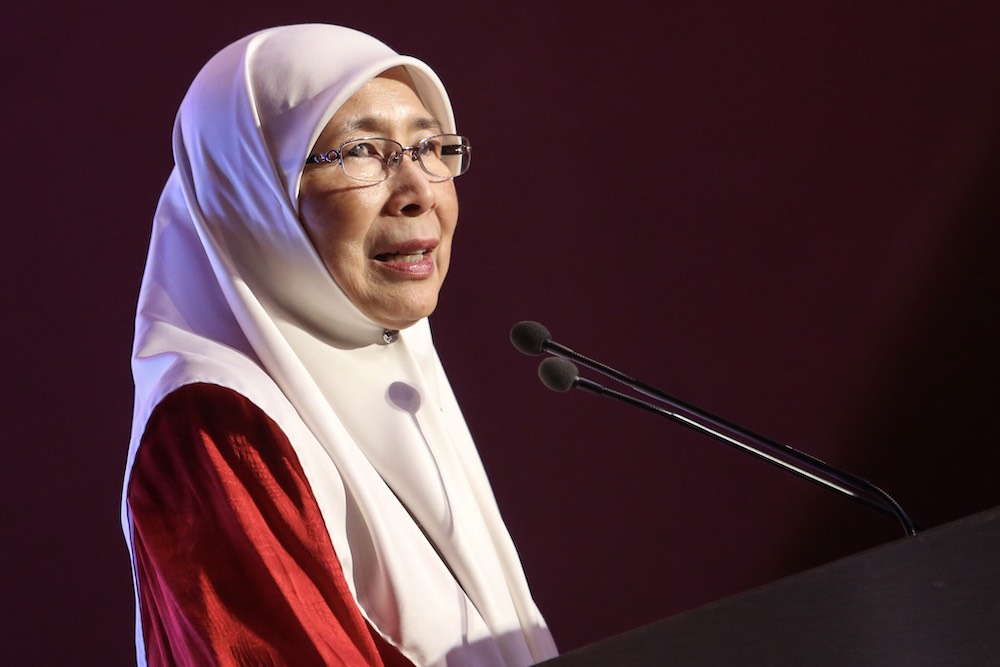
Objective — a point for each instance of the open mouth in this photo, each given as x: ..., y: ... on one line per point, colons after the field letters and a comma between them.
x: 403, y: 258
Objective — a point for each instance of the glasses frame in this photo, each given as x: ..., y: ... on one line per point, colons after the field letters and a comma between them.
x: 392, y: 161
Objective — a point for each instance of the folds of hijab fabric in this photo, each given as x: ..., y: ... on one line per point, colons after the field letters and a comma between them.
x: 235, y: 295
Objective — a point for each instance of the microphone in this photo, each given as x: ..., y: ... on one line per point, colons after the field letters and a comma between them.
x: 558, y: 373
x: 532, y: 339
x: 561, y: 375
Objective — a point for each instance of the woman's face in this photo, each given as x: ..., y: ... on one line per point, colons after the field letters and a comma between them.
x: 386, y: 244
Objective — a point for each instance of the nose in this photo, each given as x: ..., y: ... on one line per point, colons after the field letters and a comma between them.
x: 412, y: 192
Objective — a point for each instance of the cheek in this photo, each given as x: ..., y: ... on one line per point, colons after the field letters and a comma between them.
x: 449, y: 222
x: 337, y: 224
x: 448, y: 209
x: 312, y: 213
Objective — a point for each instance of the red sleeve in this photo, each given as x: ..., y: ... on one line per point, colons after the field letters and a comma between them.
x: 234, y: 562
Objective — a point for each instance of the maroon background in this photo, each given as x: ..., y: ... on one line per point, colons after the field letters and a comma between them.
x: 785, y: 215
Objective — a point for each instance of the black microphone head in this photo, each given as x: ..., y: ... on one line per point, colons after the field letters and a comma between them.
x: 558, y: 374
x: 529, y: 337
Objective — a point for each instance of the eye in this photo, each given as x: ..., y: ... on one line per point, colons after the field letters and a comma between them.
x: 431, y: 147
x: 361, y: 149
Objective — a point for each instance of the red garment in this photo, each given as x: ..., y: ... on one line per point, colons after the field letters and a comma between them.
x: 234, y: 562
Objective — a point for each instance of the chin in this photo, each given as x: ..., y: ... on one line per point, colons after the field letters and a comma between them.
x: 399, y: 306
x: 403, y: 316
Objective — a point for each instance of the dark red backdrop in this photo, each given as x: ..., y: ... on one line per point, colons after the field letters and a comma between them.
x: 786, y: 215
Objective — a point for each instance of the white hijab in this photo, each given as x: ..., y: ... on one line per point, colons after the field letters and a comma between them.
x: 235, y: 295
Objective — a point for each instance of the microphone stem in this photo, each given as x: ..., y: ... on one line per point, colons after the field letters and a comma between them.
x: 848, y: 484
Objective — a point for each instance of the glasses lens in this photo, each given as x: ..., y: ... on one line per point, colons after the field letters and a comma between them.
x: 445, y: 155
x: 366, y: 159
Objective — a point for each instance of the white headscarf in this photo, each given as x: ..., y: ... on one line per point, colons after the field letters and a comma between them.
x: 235, y: 295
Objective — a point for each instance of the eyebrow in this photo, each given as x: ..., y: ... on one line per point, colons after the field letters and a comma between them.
x: 373, y: 124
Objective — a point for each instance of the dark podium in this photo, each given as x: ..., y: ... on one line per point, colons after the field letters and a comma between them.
x: 932, y: 599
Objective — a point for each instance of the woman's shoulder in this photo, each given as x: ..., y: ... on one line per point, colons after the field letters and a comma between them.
x: 201, y: 411
x: 207, y: 399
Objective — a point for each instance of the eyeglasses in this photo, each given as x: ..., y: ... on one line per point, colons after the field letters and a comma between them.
x: 373, y: 159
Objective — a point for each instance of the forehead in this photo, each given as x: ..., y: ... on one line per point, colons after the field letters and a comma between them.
x: 387, y: 103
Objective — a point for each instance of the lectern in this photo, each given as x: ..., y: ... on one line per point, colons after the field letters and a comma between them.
x: 931, y: 599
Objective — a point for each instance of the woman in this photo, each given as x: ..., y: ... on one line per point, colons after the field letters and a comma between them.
x: 301, y: 487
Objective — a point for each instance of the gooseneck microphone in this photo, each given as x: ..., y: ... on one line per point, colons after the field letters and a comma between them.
x: 559, y: 373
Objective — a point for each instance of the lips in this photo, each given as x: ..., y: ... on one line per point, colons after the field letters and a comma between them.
x: 410, y: 260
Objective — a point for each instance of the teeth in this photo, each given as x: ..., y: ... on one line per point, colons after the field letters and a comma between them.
x: 411, y: 258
